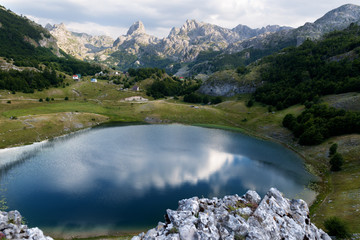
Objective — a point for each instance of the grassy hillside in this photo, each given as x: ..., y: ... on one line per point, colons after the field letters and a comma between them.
x: 23, y: 119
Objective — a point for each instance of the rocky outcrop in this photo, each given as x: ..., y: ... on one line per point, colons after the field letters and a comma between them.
x: 226, y: 89
x: 233, y: 217
x: 228, y: 83
x: 11, y: 227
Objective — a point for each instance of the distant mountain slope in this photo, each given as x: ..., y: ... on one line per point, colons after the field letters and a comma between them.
x: 297, y: 74
x: 249, y: 50
x: 316, y: 68
x: 30, y: 58
x: 337, y: 19
x: 184, y: 44
x: 79, y: 45
x: 137, y: 48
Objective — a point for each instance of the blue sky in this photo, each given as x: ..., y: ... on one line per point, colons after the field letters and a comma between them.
x: 114, y: 17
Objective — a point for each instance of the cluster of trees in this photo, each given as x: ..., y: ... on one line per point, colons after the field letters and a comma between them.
x: 125, y: 61
x: 26, y: 81
x: 319, y: 122
x: 311, y: 70
x: 16, y: 33
x: 196, y: 98
x: 335, y: 226
x: 171, y: 87
x: 143, y: 73
x: 336, y: 159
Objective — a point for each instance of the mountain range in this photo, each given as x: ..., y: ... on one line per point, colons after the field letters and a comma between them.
x: 184, y: 44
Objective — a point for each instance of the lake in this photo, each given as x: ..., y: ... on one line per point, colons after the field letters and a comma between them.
x: 123, y: 178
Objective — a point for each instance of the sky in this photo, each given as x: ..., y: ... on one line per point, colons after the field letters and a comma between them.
x: 114, y: 17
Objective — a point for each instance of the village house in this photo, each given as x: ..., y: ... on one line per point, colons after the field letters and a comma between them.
x: 77, y: 77
x: 135, y: 88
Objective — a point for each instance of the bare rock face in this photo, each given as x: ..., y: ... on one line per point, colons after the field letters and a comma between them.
x: 227, y: 83
x: 79, y: 45
x: 135, y: 38
x: 11, y: 227
x: 186, y: 42
x: 137, y: 28
x: 233, y: 217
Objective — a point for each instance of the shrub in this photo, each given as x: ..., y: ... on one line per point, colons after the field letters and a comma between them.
x: 333, y: 149
x: 336, y: 162
x: 289, y: 121
x: 40, y: 100
x: 66, y: 98
x: 217, y: 100
x: 336, y: 227
x: 250, y: 103
x: 8, y: 102
x: 47, y: 99
x: 193, y: 98
x: 311, y: 136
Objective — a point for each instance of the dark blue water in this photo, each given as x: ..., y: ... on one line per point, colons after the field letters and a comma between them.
x: 124, y: 177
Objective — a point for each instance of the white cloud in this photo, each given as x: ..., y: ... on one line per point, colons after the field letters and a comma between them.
x: 160, y: 15
x: 96, y: 29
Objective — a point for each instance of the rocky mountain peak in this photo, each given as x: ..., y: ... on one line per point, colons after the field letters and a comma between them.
x: 79, y: 45
x: 347, y: 13
x: 138, y: 27
x: 48, y: 26
x: 190, y: 25
x: 56, y: 27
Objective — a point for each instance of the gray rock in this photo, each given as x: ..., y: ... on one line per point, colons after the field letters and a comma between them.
x: 275, y: 217
x: 252, y: 197
x: 191, y: 204
x: 10, y: 225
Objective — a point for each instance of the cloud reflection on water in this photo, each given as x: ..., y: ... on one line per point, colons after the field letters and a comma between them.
x: 126, y: 163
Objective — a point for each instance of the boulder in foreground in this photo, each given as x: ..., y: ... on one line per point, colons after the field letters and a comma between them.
x: 233, y: 217
x: 12, y: 227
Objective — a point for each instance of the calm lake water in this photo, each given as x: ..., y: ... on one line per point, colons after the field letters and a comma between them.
x: 123, y: 178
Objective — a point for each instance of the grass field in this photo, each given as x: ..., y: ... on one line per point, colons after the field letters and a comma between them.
x: 91, y: 104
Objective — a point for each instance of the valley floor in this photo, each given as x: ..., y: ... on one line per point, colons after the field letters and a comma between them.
x: 23, y: 120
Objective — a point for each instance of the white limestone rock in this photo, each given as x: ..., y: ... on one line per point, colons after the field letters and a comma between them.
x: 11, y: 226
x: 247, y: 217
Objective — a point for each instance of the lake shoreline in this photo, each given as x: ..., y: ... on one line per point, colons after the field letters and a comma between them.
x: 236, y: 129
